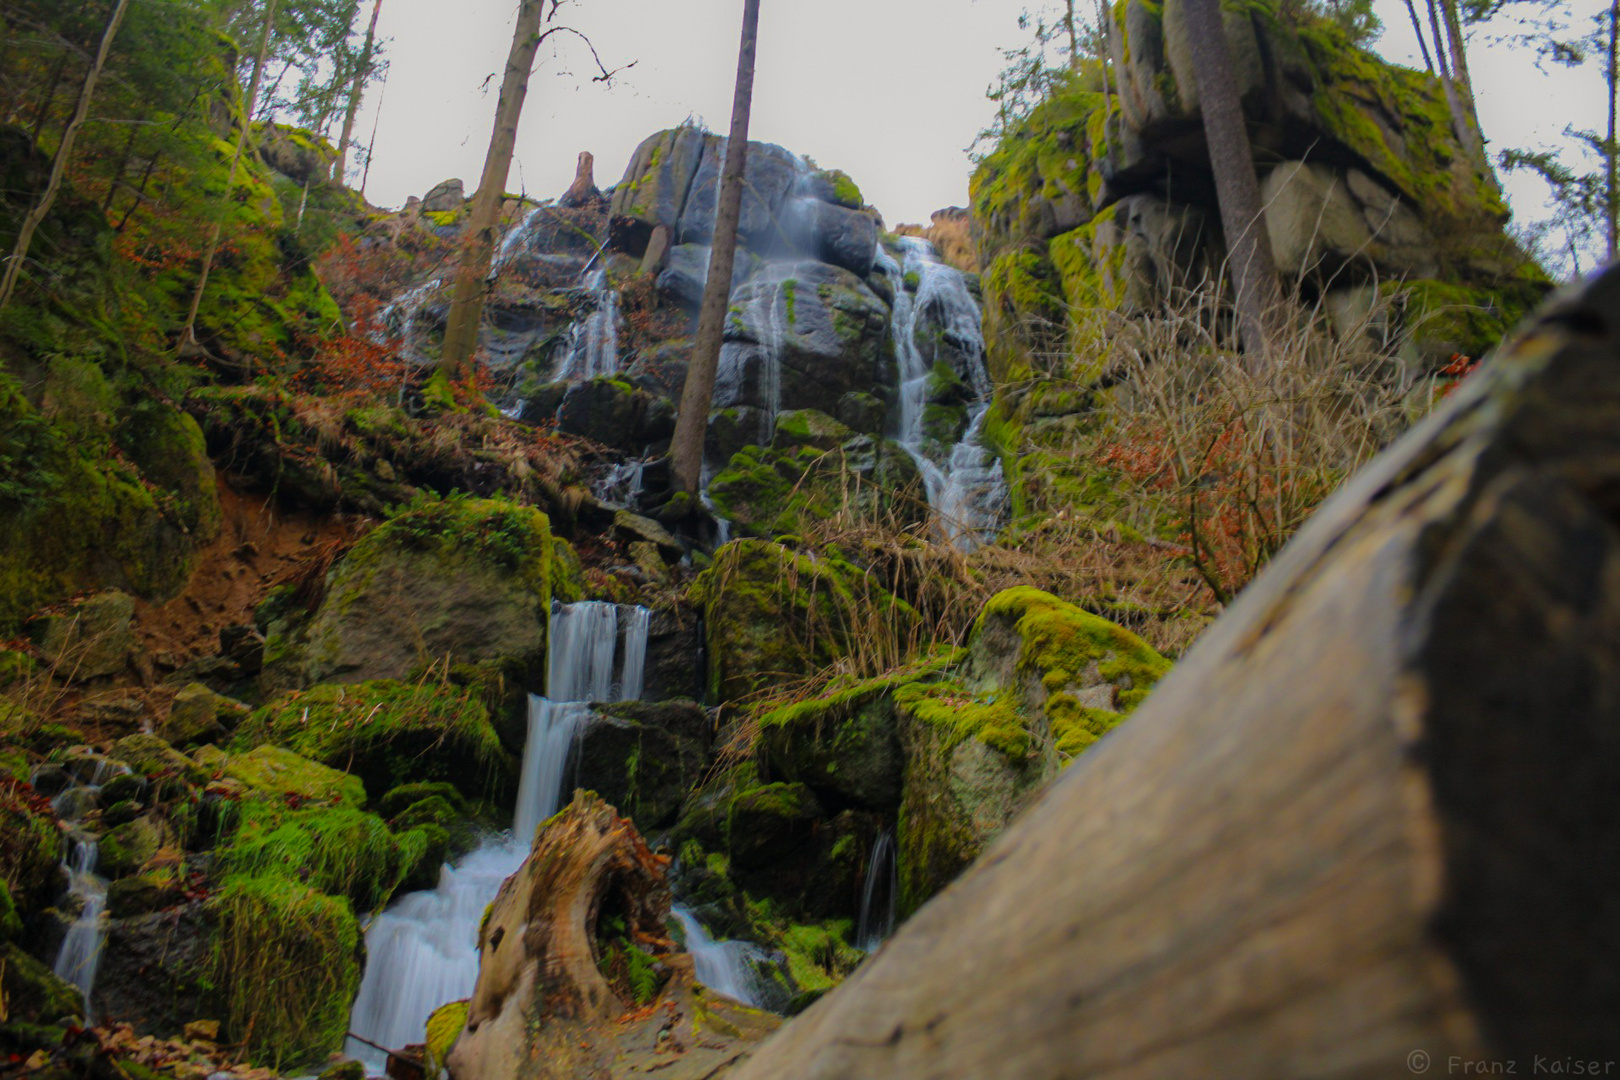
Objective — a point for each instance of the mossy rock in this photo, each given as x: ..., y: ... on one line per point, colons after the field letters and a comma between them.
x: 406, y: 795
x: 388, y: 733
x: 33, y: 993
x: 460, y: 579
x: 768, y: 823
x: 140, y: 894
x: 30, y: 851
x: 771, y: 611
x: 287, y: 968
x: 91, y: 639
x: 339, y: 850
x: 124, y: 850
x: 11, y: 926
x: 444, y: 1027
x: 153, y: 757
x: 198, y: 714
x: 643, y: 758
x: 279, y: 772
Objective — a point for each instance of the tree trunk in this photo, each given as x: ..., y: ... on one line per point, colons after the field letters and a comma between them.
x: 1074, y: 37
x: 59, y: 164
x: 543, y: 1007
x: 1461, y: 99
x: 686, y: 450
x: 1254, y: 271
x: 1611, y: 149
x: 1365, y: 829
x: 467, y: 301
x: 355, y: 92
x: 188, y: 336
x: 1417, y: 30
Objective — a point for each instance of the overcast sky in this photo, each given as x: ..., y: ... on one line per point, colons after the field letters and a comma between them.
x: 891, y: 91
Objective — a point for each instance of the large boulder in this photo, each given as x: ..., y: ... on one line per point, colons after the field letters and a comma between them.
x: 92, y: 638
x: 769, y: 176
x: 154, y: 970
x: 653, y: 191
x: 643, y: 757
x: 459, y: 579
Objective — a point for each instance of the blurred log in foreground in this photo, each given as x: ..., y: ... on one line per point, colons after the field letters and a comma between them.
x: 1370, y: 827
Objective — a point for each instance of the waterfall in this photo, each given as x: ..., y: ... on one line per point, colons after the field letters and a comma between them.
x: 399, y: 319
x: 593, y: 345
x: 81, y: 949
x: 423, y: 950
x: 965, y: 486
x: 726, y: 966
x: 877, y: 899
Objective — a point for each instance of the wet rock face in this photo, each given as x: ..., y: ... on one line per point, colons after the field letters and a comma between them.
x: 152, y: 970
x: 674, y: 656
x: 643, y: 757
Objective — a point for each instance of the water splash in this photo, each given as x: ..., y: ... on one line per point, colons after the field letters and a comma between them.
x: 81, y: 948
x: 724, y: 966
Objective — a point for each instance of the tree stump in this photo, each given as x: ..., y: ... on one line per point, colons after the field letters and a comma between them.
x: 1369, y: 827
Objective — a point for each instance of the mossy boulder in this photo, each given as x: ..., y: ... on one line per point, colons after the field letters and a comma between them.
x: 155, y: 968
x: 339, y: 850
x: 10, y: 922
x: 129, y: 847
x: 771, y: 611
x: 615, y: 413
x: 287, y: 967
x: 94, y: 637
x: 30, y: 850
x: 769, y: 823
x: 152, y: 757
x: 141, y: 894
x: 643, y: 757
x: 1042, y: 680
x: 281, y: 773
x: 387, y: 732
x: 33, y: 993
x: 198, y: 715
x: 457, y: 579
x: 816, y: 469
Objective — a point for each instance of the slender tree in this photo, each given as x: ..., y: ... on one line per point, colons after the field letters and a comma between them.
x: 1417, y: 29
x: 467, y: 300
x: 367, y: 52
x: 188, y: 336
x: 686, y: 450
x: 1237, y: 188
x: 1074, y: 36
x: 1611, y: 148
x: 59, y: 163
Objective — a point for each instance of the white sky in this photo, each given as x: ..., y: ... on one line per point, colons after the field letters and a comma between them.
x: 891, y: 91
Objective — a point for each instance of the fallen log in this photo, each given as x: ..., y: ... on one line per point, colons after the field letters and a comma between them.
x: 543, y: 1007
x: 1369, y: 827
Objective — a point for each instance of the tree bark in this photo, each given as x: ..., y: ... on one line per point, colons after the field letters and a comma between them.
x: 467, y: 301
x: 686, y: 449
x: 1248, y: 245
x: 59, y: 163
x: 1364, y: 829
x: 1461, y: 97
x: 188, y: 336
x: 1074, y: 37
x: 340, y: 166
x: 1611, y: 149
x: 1417, y: 30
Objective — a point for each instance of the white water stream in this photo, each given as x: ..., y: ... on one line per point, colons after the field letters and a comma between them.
x: 966, y: 487
x: 878, y: 897
x: 80, y: 953
x: 423, y: 950
x: 593, y: 342
x: 725, y: 966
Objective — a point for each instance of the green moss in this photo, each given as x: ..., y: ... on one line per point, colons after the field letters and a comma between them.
x: 818, y: 956
x: 443, y: 218
x: 992, y: 718
x: 33, y: 994
x: 286, y: 962
x: 790, y: 292
x: 386, y: 732
x: 444, y: 1027
x: 339, y: 850
x: 275, y: 770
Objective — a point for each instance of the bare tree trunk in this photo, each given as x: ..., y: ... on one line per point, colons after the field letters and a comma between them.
x: 1074, y: 38
x: 686, y: 450
x: 1461, y: 122
x: 1105, y: 30
x: 1473, y: 135
x: 188, y: 336
x: 1417, y: 29
x: 1254, y: 271
x: 1391, y: 865
x: 1611, y: 150
x: 355, y: 93
x: 467, y: 302
x: 64, y: 152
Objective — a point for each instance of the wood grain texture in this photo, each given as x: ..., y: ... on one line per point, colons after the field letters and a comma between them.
x: 1372, y: 813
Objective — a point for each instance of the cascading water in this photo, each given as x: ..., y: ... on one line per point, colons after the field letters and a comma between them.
x: 423, y: 950
x: 965, y: 486
x: 877, y: 899
x: 593, y: 345
x: 81, y: 949
x: 726, y: 966
x: 401, y: 319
